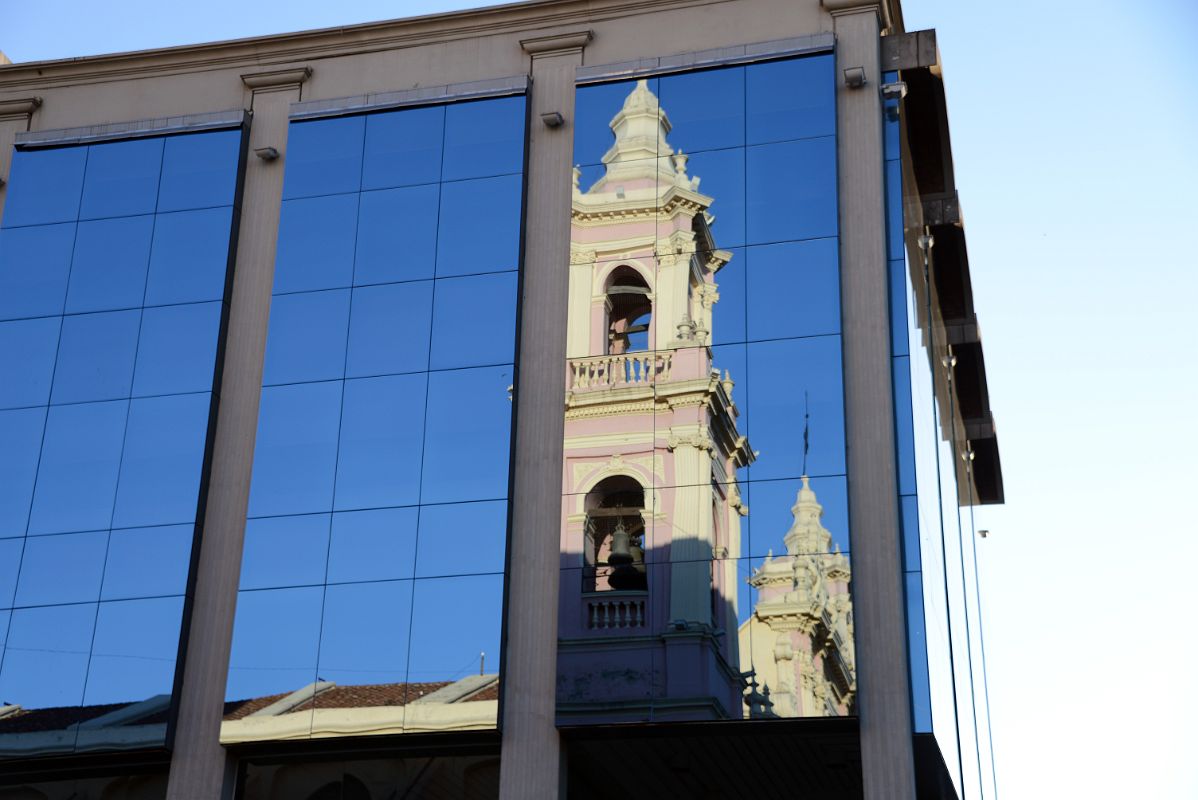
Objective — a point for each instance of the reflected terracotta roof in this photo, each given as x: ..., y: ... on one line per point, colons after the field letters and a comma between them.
x: 53, y: 719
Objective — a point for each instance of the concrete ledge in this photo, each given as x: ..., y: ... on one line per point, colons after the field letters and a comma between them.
x: 132, y: 130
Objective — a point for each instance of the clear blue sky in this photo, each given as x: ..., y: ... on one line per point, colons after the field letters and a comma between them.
x: 1074, y: 127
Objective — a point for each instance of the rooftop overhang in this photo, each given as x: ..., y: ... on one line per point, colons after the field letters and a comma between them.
x: 931, y: 206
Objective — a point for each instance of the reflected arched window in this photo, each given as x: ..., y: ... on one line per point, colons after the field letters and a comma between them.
x: 630, y: 312
x: 614, y: 551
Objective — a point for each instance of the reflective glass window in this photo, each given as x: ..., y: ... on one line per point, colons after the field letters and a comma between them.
x: 383, y: 444
x: 34, y: 265
x: 96, y: 356
x: 705, y: 484
x: 50, y: 183
x: 121, y: 179
x: 189, y: 257
x: 324, y: 157
x: 109, y: 267
x: 113, y: 267
x: 27, y: 351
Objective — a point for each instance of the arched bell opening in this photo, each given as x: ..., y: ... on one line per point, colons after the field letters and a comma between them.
x: 615, y: 536
x: 630, y: 312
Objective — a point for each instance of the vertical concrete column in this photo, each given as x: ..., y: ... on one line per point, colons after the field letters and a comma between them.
x: 200, y: 769
x: 530, y: 768
x: 882, y: 667
x: 15, y: 116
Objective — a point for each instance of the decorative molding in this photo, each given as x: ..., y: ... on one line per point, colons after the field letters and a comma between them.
x: 20, y: 107
x: 838, y: 7
x: 557, y: 43
x: 276, y: 79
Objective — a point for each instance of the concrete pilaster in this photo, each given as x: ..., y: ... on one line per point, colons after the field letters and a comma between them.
x: 882, y: 666
x: 200, y: 768
x: 531, y: 765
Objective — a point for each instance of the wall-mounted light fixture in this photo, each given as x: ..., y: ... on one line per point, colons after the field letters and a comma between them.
x: 553, y: 119
x: 854, y: 77
x: 266, y: 153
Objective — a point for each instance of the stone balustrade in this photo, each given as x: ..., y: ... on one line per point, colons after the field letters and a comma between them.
x: 611, y: 372
x: 615, y: 610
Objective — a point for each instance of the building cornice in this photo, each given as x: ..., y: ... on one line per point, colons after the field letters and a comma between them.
x: 278, y: 49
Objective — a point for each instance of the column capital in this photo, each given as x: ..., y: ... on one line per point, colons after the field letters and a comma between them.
x: 557, y: 44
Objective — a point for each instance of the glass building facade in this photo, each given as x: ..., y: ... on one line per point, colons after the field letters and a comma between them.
x: 306, y: 588
x: 372, y: 578
x: 705, y: 531
x: 114, y: 275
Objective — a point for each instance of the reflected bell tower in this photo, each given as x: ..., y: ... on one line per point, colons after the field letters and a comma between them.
x: 651, y: 512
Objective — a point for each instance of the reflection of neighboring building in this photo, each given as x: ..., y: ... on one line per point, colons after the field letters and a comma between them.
x: 799, y: 638
x: 324, y: 708
x: 651, y: 518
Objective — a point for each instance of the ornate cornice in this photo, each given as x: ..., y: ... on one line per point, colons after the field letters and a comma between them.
x: 276, y: 79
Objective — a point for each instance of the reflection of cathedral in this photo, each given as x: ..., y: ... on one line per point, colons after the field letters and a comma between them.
x: 651, y: 517
x: 799, y: 638
x: 651, y: 528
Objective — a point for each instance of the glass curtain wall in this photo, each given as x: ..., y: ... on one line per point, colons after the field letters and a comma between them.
x: 371, y: 591
x: 705, y: 535
x: 114, y: 271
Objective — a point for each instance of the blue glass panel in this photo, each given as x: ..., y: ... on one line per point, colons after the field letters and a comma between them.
x: 10, y: 565
x: 163, y: 459
x: 133, y: 655
x: 792, y: 99
x: 285, y: 551
x: 781, y: 374
x: 364, y: 636
x: 389, y: 329
x: 307, y: 337
x: 403, y: 148
x: 474, y: 321
x: 275, y: 640
x: 462, y: 539
x: 147, y: 562
x: 20, y: 444
x: 96, y: 356
x: 373, y: 545
x: 479, y: 228
x: 110, y: 263
x: 27, y: 351
x: 66, y: 568
x: 397, y: 235
x: 34, y: 266
x: 794, y: 289
x: 121, y: 179
x: 594, y: 108
x: 771, y: 513
x: 484, y: 138
x: 81, y: 455
x: 791, y: 189
x: 721, y: 175
x: 378, y: 463
x: 921, y: 700
x: 904, y: 429
x: 46, y: 654
x: 894, y: 210
x: 909, y: 508
x: 707, y: 109
x: 324, y: 157
x: 190, y: 256
x: 454, y: 620
x: 176, y: 351
x: 316, y: 243
x: 467, y: 435
x: 199, y: 170
x: 44, y: 186
x: 295, y: 454
x: 898, y: 308
x: 728, y: 313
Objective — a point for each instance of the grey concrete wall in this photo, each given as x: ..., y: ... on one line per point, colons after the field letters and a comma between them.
x: 883, y: 702
x: 199, y: 766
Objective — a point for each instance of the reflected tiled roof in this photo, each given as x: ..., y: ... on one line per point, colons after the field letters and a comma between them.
x: 53, y: 719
